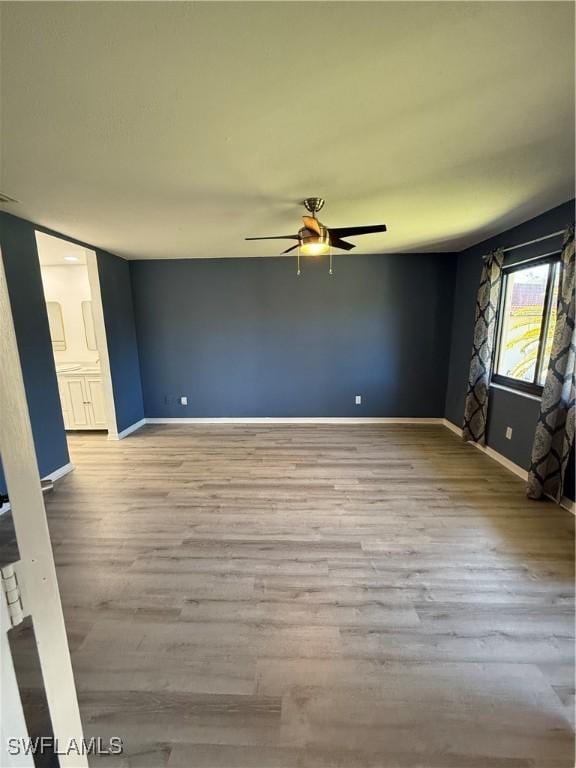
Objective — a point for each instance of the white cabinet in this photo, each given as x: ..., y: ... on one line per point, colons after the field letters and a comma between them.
x: 65, y: 401
x: 96, y: 399
x: 82, y: 399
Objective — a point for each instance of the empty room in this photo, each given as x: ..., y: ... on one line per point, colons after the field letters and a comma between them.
x: 287, y: 365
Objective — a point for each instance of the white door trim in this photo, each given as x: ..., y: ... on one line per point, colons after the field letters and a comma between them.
x: 37, y: 571
x: 12, y: 722
x: 102, y: 343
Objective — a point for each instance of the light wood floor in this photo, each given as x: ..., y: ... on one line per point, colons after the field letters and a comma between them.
x: 313, y: 597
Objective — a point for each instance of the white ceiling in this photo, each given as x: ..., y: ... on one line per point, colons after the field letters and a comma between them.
x: 162, y: 130
x: 56, y: 252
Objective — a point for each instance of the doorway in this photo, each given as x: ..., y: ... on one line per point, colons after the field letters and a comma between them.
x: 78, y: 336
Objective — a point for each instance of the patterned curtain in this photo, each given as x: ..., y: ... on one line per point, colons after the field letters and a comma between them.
x: 476, y: 407
x: 555, y: 429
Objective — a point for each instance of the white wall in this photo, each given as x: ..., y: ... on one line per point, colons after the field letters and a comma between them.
x: 69, y: 286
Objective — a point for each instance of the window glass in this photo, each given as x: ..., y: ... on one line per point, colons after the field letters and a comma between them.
x: 550, y: 327
x: 521, y: 325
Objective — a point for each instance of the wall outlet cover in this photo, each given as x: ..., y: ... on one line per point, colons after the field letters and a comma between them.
x: 183, y: 400
x: 358, y: 399
x: 508, y: 433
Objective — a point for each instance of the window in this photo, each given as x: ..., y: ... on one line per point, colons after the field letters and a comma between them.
x: 526, y: 321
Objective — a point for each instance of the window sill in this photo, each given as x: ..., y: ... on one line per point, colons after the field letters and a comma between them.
x: 513, y: 391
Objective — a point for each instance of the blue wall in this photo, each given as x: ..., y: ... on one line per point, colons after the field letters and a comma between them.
x: 20, y: 256
x: 505, y: 408
x: 116, y: 293
x: 247, y: 337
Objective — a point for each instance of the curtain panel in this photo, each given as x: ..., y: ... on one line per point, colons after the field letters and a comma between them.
x: 487, y: 300
x: 555, y: 428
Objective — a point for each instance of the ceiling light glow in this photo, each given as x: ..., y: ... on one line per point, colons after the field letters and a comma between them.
x: 315, y: 249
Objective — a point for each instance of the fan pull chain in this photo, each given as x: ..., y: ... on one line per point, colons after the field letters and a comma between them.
x: 298, y: 262
x: 330, y: 271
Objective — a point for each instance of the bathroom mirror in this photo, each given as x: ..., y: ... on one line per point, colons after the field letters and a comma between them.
x: 56, y: 325
x: 89, y: 325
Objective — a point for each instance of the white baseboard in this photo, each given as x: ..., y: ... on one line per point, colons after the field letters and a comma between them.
x: 452, y: 427
x: 129, y: 430
x: 54, y: 476
x: 298, y: 420
x: 510, y: 465
x: 60, y: 472
x: 565, y: 502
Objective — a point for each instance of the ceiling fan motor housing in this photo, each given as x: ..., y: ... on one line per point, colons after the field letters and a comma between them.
x: 308, y: 236
x: 314, y: 204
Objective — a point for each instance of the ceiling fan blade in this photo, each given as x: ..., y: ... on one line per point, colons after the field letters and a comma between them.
x: 292, y: 247
x: 311, y: 223
x: 274, y: 237
x: 336, y: 242
x: 351, y: 231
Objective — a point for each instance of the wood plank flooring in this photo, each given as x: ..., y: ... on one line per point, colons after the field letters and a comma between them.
x: 312, y: 597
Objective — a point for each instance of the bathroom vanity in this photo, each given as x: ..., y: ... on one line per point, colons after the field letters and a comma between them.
x: 81, y: 396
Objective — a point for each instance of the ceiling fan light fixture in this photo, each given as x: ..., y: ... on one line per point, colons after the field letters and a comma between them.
x: 313, y: 244
x: 315, y: 239
x: 314, y: 249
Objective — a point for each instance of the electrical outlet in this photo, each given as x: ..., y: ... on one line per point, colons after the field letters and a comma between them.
x: 183, y: 400
x: 358, y: 399
x: 508, y: 433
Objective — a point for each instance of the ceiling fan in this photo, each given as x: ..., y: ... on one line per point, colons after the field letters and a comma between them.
x: 315, y: 239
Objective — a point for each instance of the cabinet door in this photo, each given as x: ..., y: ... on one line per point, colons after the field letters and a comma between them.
x: 64, y: 401
x: 96, y: 397
x: 79, y: 402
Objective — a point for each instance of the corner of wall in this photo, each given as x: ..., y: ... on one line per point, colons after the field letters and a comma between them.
x: 20, y: 257
x: 118, y: 311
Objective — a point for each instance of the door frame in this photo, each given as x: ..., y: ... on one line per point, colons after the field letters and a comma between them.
x: 99, y: 327
x: 36, y: 568
x: 102, y: 343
